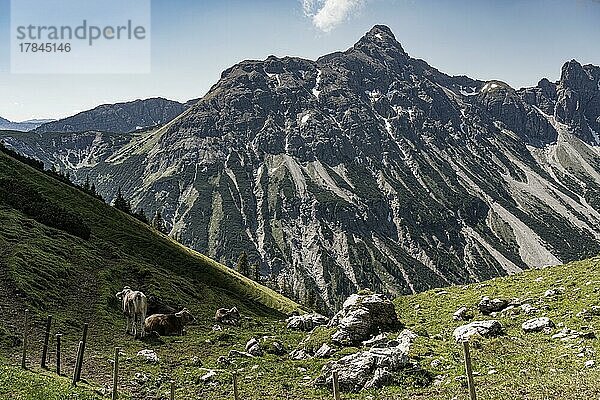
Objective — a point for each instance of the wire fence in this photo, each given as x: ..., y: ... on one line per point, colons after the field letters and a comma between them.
x: 38, y: 336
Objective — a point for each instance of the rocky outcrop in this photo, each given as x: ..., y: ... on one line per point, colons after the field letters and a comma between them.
x: 373, y: 368
x: 362, y: 316
x: 537, y: 324
x: 487, y: 306
x: 486, y: 328
x: 306, y: 322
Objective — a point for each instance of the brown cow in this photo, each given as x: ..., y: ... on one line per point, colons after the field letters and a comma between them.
x: 135, y: 308
x: 169, y: 324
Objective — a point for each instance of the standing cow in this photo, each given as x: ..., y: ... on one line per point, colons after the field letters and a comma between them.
x: 169, y: 324
x: 135, y: 308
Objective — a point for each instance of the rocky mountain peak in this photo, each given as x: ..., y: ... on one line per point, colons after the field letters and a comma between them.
x: 380, y: 37
x: 575, y: 77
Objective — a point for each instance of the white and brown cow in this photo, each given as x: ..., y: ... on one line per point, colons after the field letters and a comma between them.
x: 135, y: 308
x: 169, y: 324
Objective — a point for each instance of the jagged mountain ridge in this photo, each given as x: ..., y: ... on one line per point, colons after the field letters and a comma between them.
x: 119, y: 117
x: 365, y: 168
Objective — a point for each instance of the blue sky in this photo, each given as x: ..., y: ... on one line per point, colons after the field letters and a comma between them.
x: 517, y: 41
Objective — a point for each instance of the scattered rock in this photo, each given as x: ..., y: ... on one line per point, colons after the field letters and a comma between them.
x: 488, y: 306
x: 369, y: 369
x: 141, y: 378
x: 228, y: 316
x: 306, y: 322
x: 325, y: 351
x: 484, y: 328
x: 148, y: 355
x: 208, y: 376
x: 270, y: 344
x: 550, y: 293
x: 537, y: 324
x: 196, y: 361
x: 529, y: 309
x: 589, y: 363
x: 299, y: 354
x: 585, y: 315
x: 361, y: 316
x: 217, y: 328
x: 462, y: 314
x: 376, y: 340
x: 239, y: 354
x: 439, y: 379
x: 222, y: 360
x: 568, y: 334
x: 253, y: 348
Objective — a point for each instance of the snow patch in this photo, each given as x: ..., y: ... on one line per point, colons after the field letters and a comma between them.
x: 471, y: 92
x: 305, y: 119
x: 316, y: 91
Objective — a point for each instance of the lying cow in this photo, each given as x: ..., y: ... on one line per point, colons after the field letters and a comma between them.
x: 228, y: 316
x: 169, y: 324
x: 135, y: 308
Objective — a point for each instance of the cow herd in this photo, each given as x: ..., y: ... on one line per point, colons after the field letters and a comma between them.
x: 135, y: 308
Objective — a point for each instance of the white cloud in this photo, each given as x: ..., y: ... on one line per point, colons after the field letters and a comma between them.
x: 327, y: 14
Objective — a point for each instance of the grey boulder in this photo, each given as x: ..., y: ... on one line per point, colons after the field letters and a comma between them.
x: 306, y: 322
x: 486, y: 328
x: 361, y: 317
x: 537, y: 324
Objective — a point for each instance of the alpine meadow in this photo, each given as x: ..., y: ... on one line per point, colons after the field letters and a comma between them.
x: 355, y: 225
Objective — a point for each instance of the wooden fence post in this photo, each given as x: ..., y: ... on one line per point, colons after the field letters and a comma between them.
x: 469, y: 371
x: 58, y: 336
x: 77, y: 366
x: 115, y: 373
x: 46, y: 341
x: 79, y: 363
x: 336, y: 386
x: 24, y: 357
x: 172, y: 390
x: 235, y: 386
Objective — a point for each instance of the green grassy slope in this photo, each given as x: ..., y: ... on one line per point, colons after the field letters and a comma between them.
x: 52, y: 272
x: 43, y: 262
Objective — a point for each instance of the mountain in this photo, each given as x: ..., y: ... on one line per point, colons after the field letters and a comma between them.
x: 23, y: 126
x: 119, y: 117
x: 364, y: 168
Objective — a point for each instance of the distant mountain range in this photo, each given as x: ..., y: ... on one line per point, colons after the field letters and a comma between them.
x: 364, y: 168
x: 119, y: 117
x: 24, y: 126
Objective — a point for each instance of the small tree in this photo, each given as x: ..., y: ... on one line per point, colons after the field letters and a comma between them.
x: 158, y: 223
x: 242, y: 264
x: 93, y: 190
x: 141, y: 215
x: 122, y: 204
x: 86, y: 185
x: 255, y: 272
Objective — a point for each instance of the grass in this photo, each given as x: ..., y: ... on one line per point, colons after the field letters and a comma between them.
x: 17, y: 384
x: 50, y: 271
